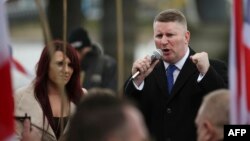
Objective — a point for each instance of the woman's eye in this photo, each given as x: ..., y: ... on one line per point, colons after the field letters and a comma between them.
x: 60, y: 63
x: 70, y: 65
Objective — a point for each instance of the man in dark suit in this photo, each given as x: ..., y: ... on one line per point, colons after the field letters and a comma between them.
x: 170, y: 109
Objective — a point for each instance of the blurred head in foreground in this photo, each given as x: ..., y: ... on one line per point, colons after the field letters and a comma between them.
x: 213, y: 115
x: 106, y: 118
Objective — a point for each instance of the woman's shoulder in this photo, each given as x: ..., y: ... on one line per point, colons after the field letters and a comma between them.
x: 25, y: 101
x: 23, y: 93
x: 24, y: 90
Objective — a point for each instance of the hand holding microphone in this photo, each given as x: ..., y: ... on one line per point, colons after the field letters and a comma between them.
x: 143, y: 67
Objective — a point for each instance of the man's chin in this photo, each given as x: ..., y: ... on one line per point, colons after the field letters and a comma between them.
x: 167, y: 59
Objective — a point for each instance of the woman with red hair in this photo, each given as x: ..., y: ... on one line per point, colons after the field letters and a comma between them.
x: 57, y: 74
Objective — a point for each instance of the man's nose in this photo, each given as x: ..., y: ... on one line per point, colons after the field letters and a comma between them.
x: 164, y: 40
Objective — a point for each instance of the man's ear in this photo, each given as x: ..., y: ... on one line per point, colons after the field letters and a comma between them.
x: 210, y: 131
x: 187, y: 37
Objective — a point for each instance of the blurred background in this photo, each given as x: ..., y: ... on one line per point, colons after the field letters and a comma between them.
x: 208, y: 22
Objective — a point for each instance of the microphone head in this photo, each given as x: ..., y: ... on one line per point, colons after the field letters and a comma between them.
x: 156, y: 55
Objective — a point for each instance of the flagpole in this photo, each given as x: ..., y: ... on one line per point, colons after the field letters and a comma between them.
x: 120, y: 46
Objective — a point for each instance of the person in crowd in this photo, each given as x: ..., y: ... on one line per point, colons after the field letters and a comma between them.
x: 98, y: 69
x: 104, y: 117
x: 212, y: 116
x: 169, y: 91
x: 52, y: 97
x: 97, y: 90
x: 28, y: 134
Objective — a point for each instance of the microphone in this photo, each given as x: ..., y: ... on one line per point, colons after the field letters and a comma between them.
x: 156, y: 55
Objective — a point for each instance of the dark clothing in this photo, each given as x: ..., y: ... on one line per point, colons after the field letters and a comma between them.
x: 57, y: 131
x: 100, y: 70
x: 171, y: 117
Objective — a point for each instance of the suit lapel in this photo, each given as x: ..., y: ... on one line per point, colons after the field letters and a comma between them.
x: 186, y: 72
x: 160, y: 79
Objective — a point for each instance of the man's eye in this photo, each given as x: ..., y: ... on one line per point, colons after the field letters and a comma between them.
x: 170, y: 35
x: 159, y: 36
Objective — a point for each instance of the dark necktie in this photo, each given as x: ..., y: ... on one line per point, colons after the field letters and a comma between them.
x: 170, y: 77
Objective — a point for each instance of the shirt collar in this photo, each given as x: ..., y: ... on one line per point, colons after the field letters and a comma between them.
x: 180, y: 63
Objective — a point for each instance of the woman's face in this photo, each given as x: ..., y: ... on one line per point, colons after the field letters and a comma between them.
x: 60, y: 72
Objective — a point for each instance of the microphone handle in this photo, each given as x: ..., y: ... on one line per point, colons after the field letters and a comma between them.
x: 153, y: 58
x: 135, y: 75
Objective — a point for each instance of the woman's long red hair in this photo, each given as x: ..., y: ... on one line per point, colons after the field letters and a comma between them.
x: 73, y: 87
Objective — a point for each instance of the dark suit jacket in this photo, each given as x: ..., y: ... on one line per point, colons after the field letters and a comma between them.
x: 170, y: 117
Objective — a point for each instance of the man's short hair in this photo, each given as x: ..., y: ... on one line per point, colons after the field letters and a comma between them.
x: 171, y: 15
x: 215, y: 107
